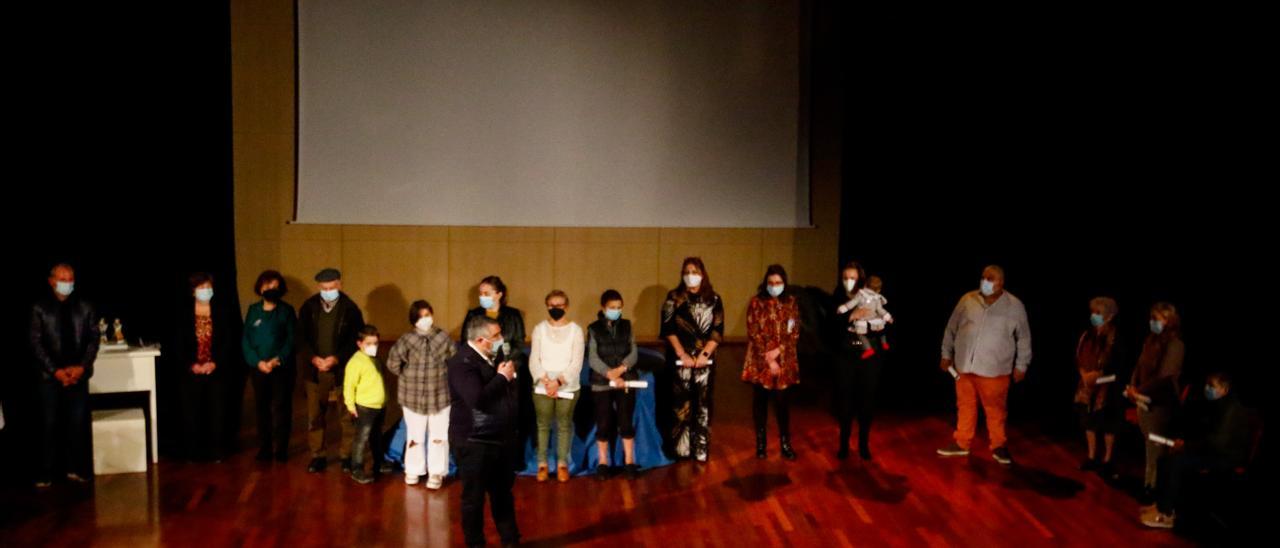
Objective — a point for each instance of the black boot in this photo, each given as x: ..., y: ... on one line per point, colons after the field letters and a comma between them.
x: 317, y: 465
x: 787, y: 453
x: 864, y: 445
x: 761, y: 444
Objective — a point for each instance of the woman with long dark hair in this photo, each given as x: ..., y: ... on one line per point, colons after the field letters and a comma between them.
x: 692, y: 327
x: 772, y: 366
x: 857, y: 377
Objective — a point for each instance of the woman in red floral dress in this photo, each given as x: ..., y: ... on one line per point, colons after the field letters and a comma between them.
x: 773, y: 329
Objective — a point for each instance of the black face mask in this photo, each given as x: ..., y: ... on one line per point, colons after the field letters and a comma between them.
x: 272, y: 295
x: 556, y: 313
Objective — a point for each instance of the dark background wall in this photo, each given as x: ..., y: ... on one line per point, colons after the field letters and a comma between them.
x: 125, y: 173
x: 1089, y: 153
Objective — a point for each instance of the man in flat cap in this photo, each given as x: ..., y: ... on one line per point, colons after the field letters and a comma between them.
x: 328, y: 322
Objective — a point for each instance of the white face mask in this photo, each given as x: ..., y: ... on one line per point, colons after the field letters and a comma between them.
x: 204, y: 294
x: 65, y: 288
x: 775, y: 290
x: 371, y: 350
x: 424, y: 323
x: 692, y: 280
x: 849, y: 284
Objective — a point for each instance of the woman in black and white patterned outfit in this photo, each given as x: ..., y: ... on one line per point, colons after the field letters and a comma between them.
x: 692, y: 327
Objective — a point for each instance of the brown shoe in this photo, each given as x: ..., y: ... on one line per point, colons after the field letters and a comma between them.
x: 542, y: 473
x: 562, y: 473
x: 1158, y: 520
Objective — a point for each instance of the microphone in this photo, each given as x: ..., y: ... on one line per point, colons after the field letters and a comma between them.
x: 506, y: 353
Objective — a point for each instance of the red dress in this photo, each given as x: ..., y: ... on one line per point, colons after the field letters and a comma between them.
x: 772, y: 323
x: 204, y: 339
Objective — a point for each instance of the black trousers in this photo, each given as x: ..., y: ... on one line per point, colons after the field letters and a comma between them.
x: 486, y: 469
x: 273, y: 396
x: 204, y: 402
x: 368, y: 437
x: 65, y: 443
x: 857, y: 381
x: 781, y: 408
x: 614, y: 412
x: 1177, y: 471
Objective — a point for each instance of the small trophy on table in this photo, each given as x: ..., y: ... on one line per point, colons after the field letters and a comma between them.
x: 116, y: 340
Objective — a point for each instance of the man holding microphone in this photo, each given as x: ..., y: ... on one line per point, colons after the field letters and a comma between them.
x: 483, y: 430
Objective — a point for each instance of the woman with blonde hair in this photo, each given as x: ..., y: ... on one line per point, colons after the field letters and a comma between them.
x: 1097, y: 400
x: 1154, y: 385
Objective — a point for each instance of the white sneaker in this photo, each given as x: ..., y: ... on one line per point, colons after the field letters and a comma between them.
x: 434, y: 482
x: 410, y: 480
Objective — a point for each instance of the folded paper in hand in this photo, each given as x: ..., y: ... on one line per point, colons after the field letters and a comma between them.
x: 542, y: 391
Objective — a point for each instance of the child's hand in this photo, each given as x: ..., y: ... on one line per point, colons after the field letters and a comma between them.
x: 352, y: 410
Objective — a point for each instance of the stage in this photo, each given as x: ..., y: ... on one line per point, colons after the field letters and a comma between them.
x: 907, y: 496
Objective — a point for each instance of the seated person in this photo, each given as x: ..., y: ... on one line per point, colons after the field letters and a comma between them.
x: 1216, y: 440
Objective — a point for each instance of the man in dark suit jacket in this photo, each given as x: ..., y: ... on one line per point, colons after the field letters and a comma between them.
x: 64, y: 341
x: 327, y: 327
x: 483, y: 429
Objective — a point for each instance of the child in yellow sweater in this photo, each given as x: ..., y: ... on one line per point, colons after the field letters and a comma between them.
x: 363, y: 391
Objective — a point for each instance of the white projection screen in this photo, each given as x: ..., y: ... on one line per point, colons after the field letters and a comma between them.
x: 552, y: 113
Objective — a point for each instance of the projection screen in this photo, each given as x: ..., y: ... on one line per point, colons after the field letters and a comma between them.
x: 551, y: 113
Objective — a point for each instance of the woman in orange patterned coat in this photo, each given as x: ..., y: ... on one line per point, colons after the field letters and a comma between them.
x: 773, y: 329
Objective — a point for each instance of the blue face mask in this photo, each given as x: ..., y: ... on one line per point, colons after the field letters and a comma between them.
x: 496, y: 346
x: 65, y: 288
x: 204, y: 294
x: 486, y: 302
x: 775, y: 290
x: 612, y: 314
x: 1211, y: 393
x: 1097, y: 320
x: 988, y: 288
x: 1157, y: 327
x: 329, y: 295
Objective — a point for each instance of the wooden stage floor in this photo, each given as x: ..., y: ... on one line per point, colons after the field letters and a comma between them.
x: 906, y: 497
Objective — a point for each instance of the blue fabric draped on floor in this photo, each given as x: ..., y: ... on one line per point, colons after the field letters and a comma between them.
x: 583, y: 455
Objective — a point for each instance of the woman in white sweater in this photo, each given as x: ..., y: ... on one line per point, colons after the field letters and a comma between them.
x: 555, y: 362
